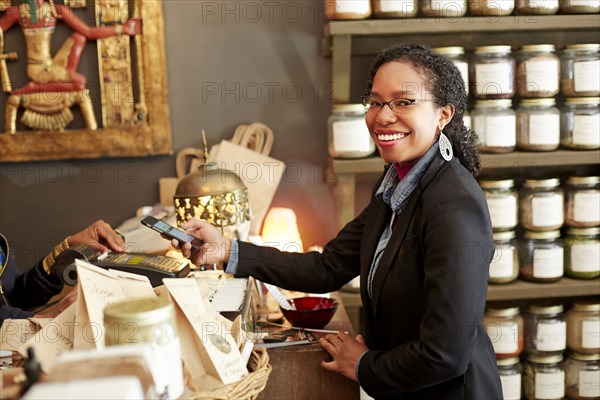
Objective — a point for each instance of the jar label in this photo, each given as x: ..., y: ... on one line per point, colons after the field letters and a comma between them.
x: 166, y: 369
x: 500, y: 131
x: 586, y: 206
x: 502, y: 266
x: 589, y: 384
x: 463, y: 68
x: 351, y: 136
x: 550, y: 385
x: 544, y: 129
x: 467, y: 121
x: 352, y: 6
x: 551, y: 337
x: 585, y: 129
x: 503, y: 211
x: 404, y: 6
x: 587, y: 76
x: 511, y: 386
x: 548, y: 263
x: 494, y: 78
x: 590, y: 334
x: 585, y: 257
x: 504, y: 336
x: 584, y: 3
x: 547, y: 210
x: 541, y: 76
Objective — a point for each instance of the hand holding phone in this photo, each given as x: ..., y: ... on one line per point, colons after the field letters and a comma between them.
x: 172, y: 233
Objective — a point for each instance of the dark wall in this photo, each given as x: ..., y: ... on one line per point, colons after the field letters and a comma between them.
x: 228, y: 63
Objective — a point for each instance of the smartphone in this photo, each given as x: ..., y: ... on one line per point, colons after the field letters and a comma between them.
x: 171, y: 232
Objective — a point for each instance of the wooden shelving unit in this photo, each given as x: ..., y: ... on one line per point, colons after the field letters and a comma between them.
x: 566, y: 287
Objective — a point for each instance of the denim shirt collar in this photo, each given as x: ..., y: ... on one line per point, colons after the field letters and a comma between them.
x: 394, y: 192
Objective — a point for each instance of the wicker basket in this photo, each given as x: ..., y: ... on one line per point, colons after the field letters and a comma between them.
x: 247, y: 388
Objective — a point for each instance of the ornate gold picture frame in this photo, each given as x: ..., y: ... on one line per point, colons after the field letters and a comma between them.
x: 131, y: 82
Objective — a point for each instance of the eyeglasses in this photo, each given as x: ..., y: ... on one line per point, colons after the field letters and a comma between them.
x: 396, y: 105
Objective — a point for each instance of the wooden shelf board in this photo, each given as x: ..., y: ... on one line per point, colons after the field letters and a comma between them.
x: 566, y: 287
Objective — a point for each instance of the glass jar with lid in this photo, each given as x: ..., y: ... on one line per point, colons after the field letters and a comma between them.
x: 149, y: 320
x: 544, y: 377
x: 537, y: 7
x: 492, y: 73
x: 583, y: 327
x: 538, y: 125
x: 347, y: 9
x: 580, y: 123
x: 538, y: 72
x: 545, y: 329
x: 504, y: 267
x: 348, y: 135
x: 443, y: 8
x: 491, y: 7
x: 510, y: 371
x: 579, y: 6
x: 394, y: 8
x: 501, y: 198
x: 496, y: 125
x: 541, y: 205
x: 504, y: 326
x: 582, y: 376
x: 582, y: 201
x: 457, y: 55
x: 467, y: 120
x: 541, y: 256
x: 580, y: 70
x: 582, y: 253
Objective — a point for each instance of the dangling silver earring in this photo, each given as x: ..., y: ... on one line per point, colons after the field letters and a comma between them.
x: 445, y: 147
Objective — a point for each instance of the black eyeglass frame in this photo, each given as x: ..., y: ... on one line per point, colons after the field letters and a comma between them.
x: 367, y: 105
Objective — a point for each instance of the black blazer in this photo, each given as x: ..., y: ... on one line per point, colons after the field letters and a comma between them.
x: 424, y: 322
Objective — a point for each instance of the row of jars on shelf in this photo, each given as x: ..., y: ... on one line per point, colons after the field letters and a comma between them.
x: 544, y: 333
x: 361, y: 9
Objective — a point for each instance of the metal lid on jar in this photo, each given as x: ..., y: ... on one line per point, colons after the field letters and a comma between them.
x: 552, y: 359
x: 538, y: 102
x: 584, y: 46
x: 582, y: 100
x: 583, y: 180
x: 502, y: 312
x: 546, y: 308
x: 141, y: 311
x: 502, y: 103
x: 585, y: 357
x: 594, y: 231
x: 538, y: 48
x: 501, y: 184
x: 504, y: 362
x: 542, y: 235
x: 355, y: 108
x: 542, y: 183
x: 493, y: 49
x: 504, y: 235
x: 452, y: 50
x: 586, y: 306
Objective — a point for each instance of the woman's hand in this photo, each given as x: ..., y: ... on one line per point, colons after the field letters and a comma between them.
x: 216, y: 247
x: 99, y: 236
x: 345, y: 351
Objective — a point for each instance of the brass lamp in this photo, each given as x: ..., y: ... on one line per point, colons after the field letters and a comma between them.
x: 215, y: 195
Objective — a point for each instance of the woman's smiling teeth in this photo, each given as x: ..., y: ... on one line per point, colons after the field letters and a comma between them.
x: 394, y: 136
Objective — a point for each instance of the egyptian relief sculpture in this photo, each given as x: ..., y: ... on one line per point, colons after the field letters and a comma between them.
x: 55, y: 85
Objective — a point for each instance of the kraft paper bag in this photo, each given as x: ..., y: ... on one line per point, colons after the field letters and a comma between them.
x: 261, y: 175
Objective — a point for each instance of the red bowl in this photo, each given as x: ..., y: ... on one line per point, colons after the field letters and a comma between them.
x: 311, y: 312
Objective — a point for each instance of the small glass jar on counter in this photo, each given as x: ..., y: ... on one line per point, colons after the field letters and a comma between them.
x: 537, y: 7
x: 496, y: 125
x: 492, y: 73
x: 582, y: 253
x: 582, y: 376
x: 457, y: 55
x: 510, y: 371
x: 538, y: 125
x: 443, y: 8
x: 544, y: 377
x: 491, y: 7
x: 348, y: 135
x: 582, y: 201
x: 502, y: 200
x: 344, y: 9
x: 394, y: 8
x: 583, y: 327
x: 545, y: 329
x: 580, y: 123
x: 579, y: 6
x: 541, y: 205
x: 538, y: 72
x: 504, y: 326
x: 504, y: 267
x: 580, y: 69
x: 541, y: 256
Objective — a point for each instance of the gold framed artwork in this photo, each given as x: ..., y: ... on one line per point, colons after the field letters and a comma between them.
x: 57, y: 109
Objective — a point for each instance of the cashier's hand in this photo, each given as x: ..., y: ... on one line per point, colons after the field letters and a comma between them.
x: 99, y: 236
x: 345, y: 351
x: 216, y: 247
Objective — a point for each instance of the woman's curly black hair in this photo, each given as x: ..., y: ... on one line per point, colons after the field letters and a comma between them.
x: 445, y: 82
